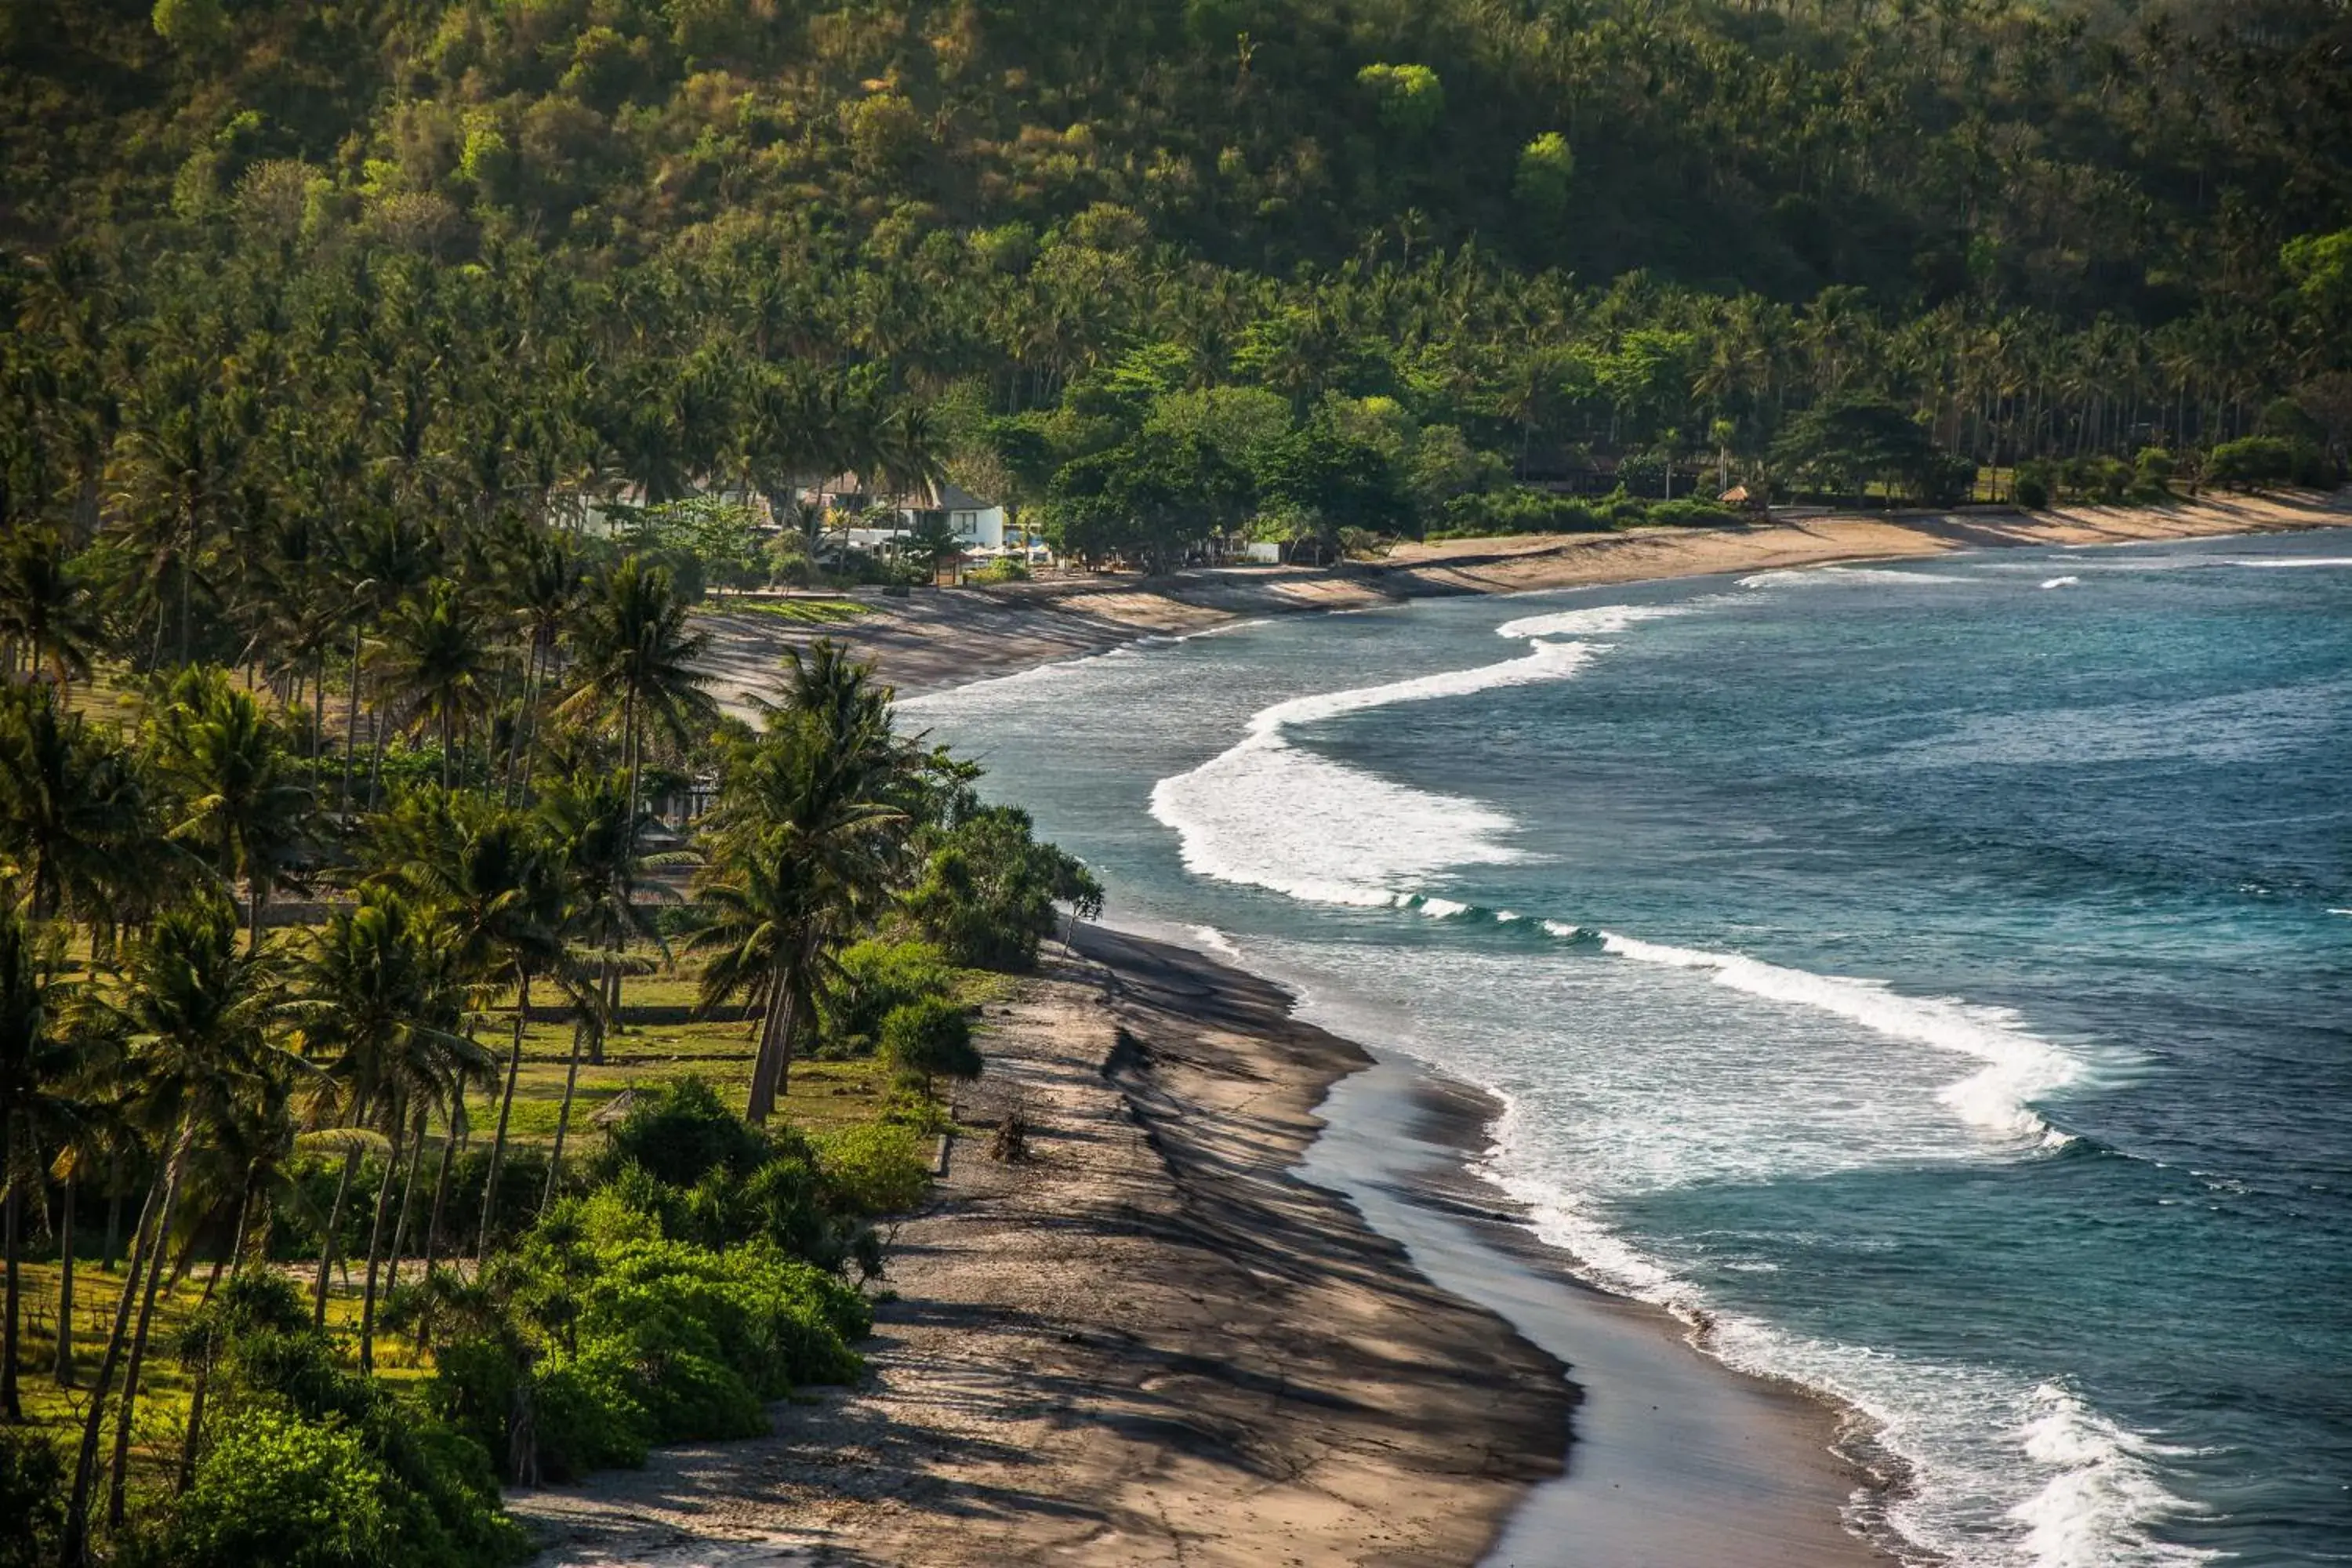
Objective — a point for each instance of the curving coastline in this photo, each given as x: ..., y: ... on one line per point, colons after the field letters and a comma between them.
x: 952, y: 637
x: 1106, y: 1460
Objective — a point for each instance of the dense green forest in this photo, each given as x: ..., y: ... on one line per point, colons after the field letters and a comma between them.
x: 1157, y: 268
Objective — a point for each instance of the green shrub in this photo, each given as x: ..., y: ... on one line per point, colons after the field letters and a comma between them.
x: 585, y: 1415
x: 275, y: 1488
x: 988, y: 888
x: 2030, y: 487
x: 930, y: 1038
x: 681, y: 1132
x: 32, y: 1498
x: 872, y: 977
x: 1692, y: 513
x: 875, y: 1170
x: 2252, y: 463
x: 1516, y: 510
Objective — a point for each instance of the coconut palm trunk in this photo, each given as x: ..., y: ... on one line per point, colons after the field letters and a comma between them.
x: 766, y: 1068
x: 375, y: 1245
x: 11, y: 1410
x: 334, y: 1230
x: 117, y: 1484
x: 407, y: 1199
x: 352, y: 720
x: 162, y: 1192
x: 506, y: 1112
x: 586, y: 1024
x: 441, y: 1181
x: 64, y: 1365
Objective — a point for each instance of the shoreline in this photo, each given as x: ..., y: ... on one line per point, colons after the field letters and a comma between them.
x: 1678, y: 1458
x: 1724, y: 1465
x: 1150, y: 1342
x: 942, y: 639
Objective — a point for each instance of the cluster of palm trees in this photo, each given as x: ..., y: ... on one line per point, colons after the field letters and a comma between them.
x: 153, y: 1023
x: 162, y: 1040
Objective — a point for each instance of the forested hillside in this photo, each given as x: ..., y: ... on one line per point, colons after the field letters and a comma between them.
x: 1159, y: 266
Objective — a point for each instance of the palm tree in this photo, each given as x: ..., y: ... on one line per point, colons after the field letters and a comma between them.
x: 35, y: 1111
x: 45, y: 607
x: 74, y: 814
x: 546, y: 581
x: 377, y: 1011
x: 196, y: 1018
x: 494, y: 886
x: 390, y: 559
x: 170, y: 479
x: 635, y: 653
x: 808, y: 832
x: 437, y: 668
x: 238, y: 799
x: 591, y: 838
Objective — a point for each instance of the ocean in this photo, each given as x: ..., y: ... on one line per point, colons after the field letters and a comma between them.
x: 1938, y: 974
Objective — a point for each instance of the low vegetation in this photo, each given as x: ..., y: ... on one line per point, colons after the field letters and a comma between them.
x: 311, y: 1242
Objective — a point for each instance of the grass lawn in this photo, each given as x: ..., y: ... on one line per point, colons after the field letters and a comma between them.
x: 807, y: 612
x: 658, y: 1041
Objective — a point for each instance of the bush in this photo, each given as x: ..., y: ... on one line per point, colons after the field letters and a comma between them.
x: 930, y: 1039
x: 875, y: 1170
x: 2030, y: 487
x: 681, y: 1132
x: 275, y: 1488
x: 1692, y: 514
x: 1005, y: 569
x: 988, y: 891
x: 586, y: 1416
x: 33, y: 1493
x: 1516, y: 510
x: 872, y: 977
x: 2107, y: 481
x: 434, y: 1498
x: 2252, y: 463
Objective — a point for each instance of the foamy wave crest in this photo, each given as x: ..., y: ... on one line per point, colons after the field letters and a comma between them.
x: 2019, y: 1067
x: 2063, y: 583
x: 1597, y: 620
x: 2297, y: 561
x: 1792, y: 575
x: 2103, y: 1492
x: 1269, y: 815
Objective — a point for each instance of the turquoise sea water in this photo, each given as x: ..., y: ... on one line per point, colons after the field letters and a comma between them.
x: 1939, y: 974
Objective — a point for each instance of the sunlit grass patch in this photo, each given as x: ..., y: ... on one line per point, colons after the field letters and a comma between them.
x: 807, y: 612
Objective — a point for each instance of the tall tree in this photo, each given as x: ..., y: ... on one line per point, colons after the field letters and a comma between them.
x: 37, y: 1108
x: 636, y: 658
x: 236, y: 798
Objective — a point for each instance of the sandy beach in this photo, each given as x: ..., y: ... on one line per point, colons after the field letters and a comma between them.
x: 1159, y: 1339
x: 1244, y: 1301
x: 1149, y: 1341
x: 940, y: 638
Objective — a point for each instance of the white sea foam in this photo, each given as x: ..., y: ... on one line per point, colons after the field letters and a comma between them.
x: 1596, y: 620
x: 2289, y: 561
x: 2004, y: 1473
x: 1791, y: 576
x: 2018, y: 1067
x: 2062, y: 583
x: 2101, y: 1489
x: 1218, y: 942
x: 1271, y: 815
